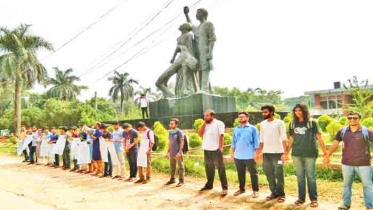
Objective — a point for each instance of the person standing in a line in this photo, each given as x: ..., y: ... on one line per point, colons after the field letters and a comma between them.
x: 304, y: 135
x: 144, y: 153
x: 245, y: 142
x: 108, y: 166
x: 273, y: 144
x: 53, y: 140
x: 119, y: 169
x: 67, y: 150
x: 22, y: 136
x: 96, y: 153
x: 175, y: 152
x: 74, y: 134
x: 130, y: 138
x: 33, y: 144
x: 144, y: 106
x: 212, y: 133
x: 356, y: 159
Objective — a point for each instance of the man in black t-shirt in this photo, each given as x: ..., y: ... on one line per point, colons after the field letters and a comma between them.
x: 130, y: 139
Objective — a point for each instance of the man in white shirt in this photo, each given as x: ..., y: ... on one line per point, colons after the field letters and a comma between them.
x: 212, y: 132
x: 144, y: 153
x: 273, y: 144
x: 144, y: 106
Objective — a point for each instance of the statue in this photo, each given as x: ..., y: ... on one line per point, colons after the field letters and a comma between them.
x: 184, y: 66
x: 205, y: 39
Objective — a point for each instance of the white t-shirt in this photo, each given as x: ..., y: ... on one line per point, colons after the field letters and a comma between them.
x: 143, y: 103
x: 272, y: 134
x: 211, y: 136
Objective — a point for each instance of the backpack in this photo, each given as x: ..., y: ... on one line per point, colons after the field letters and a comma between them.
x: 155, y: 145
x: 186, y: 145
x: 364, y: 129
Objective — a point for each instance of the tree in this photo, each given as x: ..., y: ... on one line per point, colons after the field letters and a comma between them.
x: 122, y: 87
x: 63, y: 86
x: 149, y: 95
x: 19, y: 62
x: 362, y: 97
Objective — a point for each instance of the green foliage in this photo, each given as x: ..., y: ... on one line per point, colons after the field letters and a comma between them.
x: 122, y: 88
x: 333, y: 128
x: 277, y: 116
x: 4, y: 123
x: 198, y: 123
x: 289, y: 117
x: 236, y: 123
x: 227, y: 141
x: 194, y: 140
x: 324, y: 121
x: 12, y: 140
x: 368, y: 122
x: 162, y: 134
x: 291, y: 102
x: 33, y: 117
x: 258, y: 127
x: 343, y: 120
x: 111, y: 128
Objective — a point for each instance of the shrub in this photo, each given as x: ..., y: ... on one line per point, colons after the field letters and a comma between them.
x: 236, y: 123
x: 111, y: 128
x: 12, y: 140
x: 194, y: 140
x: 258, y: 127
x: 368, y: 122
x: 333, y: 128
x: 162, y: 134
x: 324, y: 121
x: 198, y: 123
x: 4, y: 123
x: 227, y: 141
x: 343, y: 120
x: 277, y: 116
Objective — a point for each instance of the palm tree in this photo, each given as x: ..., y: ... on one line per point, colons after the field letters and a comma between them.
x: 122, y: 87
x: 63, y: 85
x: 19, y: 62
x: 149, y: 95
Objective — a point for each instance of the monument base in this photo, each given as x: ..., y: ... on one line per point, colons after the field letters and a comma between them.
x: 194, y: 104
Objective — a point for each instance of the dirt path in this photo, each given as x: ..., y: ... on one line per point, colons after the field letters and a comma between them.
x: 38, y: 187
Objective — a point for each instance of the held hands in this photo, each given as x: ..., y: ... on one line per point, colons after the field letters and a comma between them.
x: 257, y: 157
x: 149, y: 152
x: 232, y: 156
x: 285, y: 157
x: 167, y: 155
x: 178, y: 155
x: 326, y: 159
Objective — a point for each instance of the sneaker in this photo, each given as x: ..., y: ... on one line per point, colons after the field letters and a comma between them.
x: 205, y: 188
x: 170, y: 182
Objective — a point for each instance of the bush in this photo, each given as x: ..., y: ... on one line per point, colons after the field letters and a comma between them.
x: 258, y: 127
x: 194, y: 140
x: 333, y: 128
x: 198, y: 123
x: 324, y: 121
x: 227, y: 141
x: 111, y: 128
x: 12, y: 140
x: 236, y: 123
x: 162, y: 134
x: 368, y: 122
x: 4, y: 123
x: 343, y: 120
x: 277, y: 116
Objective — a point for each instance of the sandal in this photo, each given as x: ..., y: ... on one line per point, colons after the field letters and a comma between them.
x: 300, y: 202
x: 344, y: 207
x: 271, y: 197
x: 281, y: 199
x: 255, y: 195
x: 314, y: 204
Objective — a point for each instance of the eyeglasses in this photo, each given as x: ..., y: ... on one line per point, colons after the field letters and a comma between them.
x: 352, y: 118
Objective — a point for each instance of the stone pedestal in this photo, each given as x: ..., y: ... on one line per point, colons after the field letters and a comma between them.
x: 194, y: 104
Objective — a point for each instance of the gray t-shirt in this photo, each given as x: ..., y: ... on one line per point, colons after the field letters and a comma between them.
x: 130, y: 138
x: 174, y: 141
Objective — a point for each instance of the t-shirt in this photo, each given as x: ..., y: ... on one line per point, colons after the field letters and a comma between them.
x: 107, y: 135
x: 54, y: 137
x: 174, y: 139
x: 356, y: 148
x: 245, y: 140
x: 304, y: 139
x: 118, y: 136
x: 35, y: 136
x: 130, y: 137
x: 212, y: 134
x: 272, y: 134
x: 96, y: 153
x: 143, y: 103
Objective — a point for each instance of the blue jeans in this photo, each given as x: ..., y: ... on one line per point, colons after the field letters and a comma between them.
x: 365, y: 174
x: 305, y: 167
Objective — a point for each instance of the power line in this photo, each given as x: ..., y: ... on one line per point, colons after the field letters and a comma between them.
x: 84, y: 30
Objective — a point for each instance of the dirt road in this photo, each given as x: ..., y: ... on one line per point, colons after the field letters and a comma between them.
x: 38, y: 187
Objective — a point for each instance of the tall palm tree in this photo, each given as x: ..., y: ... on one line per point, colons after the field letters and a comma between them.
x: 122, y: 87
x: 149, y: 95
x: 63, y: 86
x: 19, y: 62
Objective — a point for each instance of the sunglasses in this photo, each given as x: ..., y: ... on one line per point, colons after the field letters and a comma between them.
x: 352, y: 118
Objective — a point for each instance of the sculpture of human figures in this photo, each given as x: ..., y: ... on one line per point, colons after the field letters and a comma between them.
x: 205, y: 39
x: 184, y: 66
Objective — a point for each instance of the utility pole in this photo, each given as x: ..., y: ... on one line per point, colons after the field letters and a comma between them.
x: 95, y: 100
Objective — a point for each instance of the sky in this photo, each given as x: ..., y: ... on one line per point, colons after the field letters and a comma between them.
x: 294, y: 46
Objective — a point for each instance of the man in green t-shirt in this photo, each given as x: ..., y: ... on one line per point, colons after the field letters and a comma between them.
x: 304, y: 135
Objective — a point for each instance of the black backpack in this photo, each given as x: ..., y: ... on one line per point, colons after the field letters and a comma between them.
x: 186, y: 145
x: 155, y: 145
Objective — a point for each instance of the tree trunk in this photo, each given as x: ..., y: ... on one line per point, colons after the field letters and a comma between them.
x: 17, y: 105
x: 121, y: 105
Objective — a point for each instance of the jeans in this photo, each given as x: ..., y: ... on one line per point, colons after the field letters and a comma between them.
x: 274, y: 172
x: 26, y: 155
x: 144, y: 111
x: 250, y: 165
x: 66, y: 157
x: 215, y: 159
x: 57, y: 160
x: 76, y: 166
x: 32, y: 154
x: 108, y: 171
x: 132, y: 162
x: 180, y: 163
x: 306, y: 167
x: 365, y: 174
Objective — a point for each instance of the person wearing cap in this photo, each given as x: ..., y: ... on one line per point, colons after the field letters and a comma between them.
x: 66, y: 152
x: 98, y: 164
x: 119, y: 169
x: 144, y: 153
x: 74, y: 134
x: 130, y: 139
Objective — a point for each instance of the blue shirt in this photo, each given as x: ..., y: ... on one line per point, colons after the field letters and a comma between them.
x: 118, y: 136
x: 245, y: 141
x: 54, y: 137
x: 35, y: 135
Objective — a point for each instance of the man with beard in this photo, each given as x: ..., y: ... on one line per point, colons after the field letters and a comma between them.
x: 212, y: 133
x: 273, y: 144
x: 244, y: 144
